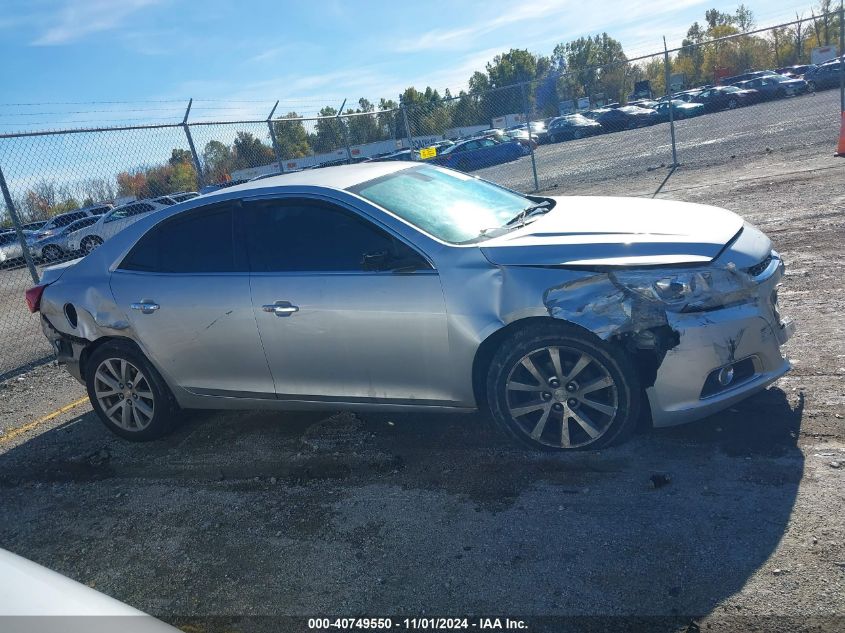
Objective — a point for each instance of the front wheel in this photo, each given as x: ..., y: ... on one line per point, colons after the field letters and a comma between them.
x: 90, y: 244
x: 732, y: 104
x: 52, y: 252
x: 557, y: 387
x: 128, y: 394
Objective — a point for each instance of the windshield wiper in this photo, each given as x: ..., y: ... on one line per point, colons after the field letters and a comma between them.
x: 523, y: 215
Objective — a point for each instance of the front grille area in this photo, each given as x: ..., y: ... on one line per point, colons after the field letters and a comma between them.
x: 757, y: 269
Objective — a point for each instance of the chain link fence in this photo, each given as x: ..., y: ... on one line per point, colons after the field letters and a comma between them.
x: 706, y: 103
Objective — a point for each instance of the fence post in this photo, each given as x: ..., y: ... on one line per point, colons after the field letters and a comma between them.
x: 407, y: 128
x: 273, y: 137
x: 669, y: 94
x: 842, y: 56
x: 18, y: 230
x: 194, y: 154
x: 528, y: 127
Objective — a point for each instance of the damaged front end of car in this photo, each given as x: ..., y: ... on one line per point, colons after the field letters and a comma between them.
x: 703, y: 337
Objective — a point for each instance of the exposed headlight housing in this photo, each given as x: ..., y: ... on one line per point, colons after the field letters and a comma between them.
x: 688, y: 289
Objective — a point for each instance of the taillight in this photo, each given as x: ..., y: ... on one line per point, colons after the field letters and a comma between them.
x: 33, y: 297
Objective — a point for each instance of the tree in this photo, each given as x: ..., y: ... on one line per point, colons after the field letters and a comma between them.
x: 179, y: 156
x: 363, y: 128
x: 593, y: 64
x: 218, y: 162
x: 291, y: 136
x: 389, y: 119
x: 250, y: 151
x: 716, y: 18
x: 329, y: 132
x: 690, y: 59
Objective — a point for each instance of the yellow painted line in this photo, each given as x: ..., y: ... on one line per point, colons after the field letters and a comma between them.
x: 8, y: 437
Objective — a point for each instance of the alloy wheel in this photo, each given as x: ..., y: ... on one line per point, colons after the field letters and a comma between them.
x: 124, y: 394
x: 52, y: 252
x: 90, y: 245
x: 562, y: 397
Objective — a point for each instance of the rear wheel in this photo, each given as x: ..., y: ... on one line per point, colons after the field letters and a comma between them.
x: 556, y: 387
x: 91, y: 243
x: 578, y: 134
x: 128, y: 394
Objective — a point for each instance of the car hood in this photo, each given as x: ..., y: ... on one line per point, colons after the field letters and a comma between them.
x: 603, y: 231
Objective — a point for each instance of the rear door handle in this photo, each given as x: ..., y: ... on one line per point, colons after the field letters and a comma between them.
x: 281, y: 308
x: 145, y: 306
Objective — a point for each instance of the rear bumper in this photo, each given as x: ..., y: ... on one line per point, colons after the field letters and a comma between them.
x: 710, y: 341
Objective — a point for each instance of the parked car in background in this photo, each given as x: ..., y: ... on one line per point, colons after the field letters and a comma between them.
x: 477, y: 153
x: 58, y: 222
x: 56, y: 245
x: 686, y: 95
x: 222, y: 185
x: 402, y: 154
x: 644, y: 103
x: 627, y: 118
x: 428, y: 290
x: 774, y: 87
x: 33, y: 226
x: 725, y: 98
x: 796, y: 72
x: 10, y: 248
x: 730, y: 81
x: 680, y: 109
x: 521, y: 136
x: 824, y: 76
x: 572, y: 126
x: 181, y: 196
x: 108, y: 225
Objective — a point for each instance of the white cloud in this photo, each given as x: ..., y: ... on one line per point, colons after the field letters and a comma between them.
x: 80, y: 18
x: 464, y: 37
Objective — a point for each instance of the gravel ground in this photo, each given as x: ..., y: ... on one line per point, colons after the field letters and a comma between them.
x: 731, y: 523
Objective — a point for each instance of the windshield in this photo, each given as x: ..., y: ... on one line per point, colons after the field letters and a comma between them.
x: 449, y: 205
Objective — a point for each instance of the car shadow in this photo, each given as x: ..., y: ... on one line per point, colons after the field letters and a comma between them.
x: 276, y: 514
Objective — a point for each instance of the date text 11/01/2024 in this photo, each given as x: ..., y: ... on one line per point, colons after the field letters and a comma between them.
x: 430, y: 624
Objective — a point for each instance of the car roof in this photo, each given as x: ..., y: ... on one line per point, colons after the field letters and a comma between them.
x: 340, y: 177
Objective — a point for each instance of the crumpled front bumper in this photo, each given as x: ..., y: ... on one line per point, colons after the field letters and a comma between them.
x: 709, y: 341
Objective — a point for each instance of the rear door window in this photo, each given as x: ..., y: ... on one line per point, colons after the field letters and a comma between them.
x: 197, y: 241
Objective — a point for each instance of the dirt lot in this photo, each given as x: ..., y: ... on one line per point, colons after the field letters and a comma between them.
x: 264, y: 515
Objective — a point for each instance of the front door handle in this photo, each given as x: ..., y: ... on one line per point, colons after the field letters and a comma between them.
x: 145, y: 306
x: 281, y: 308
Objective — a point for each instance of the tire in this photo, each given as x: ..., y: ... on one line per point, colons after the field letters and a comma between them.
x: 463, y: 166
x: 112, y: 379
x: 531, y: 406
x: 732, y: 104
x: 577, y: 134
x: 90, y: 244
x: 811, y: 86
x: 52, y: 252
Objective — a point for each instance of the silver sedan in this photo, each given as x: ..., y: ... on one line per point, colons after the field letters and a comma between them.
x: 400, y: 287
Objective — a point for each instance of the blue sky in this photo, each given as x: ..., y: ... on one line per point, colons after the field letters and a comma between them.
x: 237, y: 58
